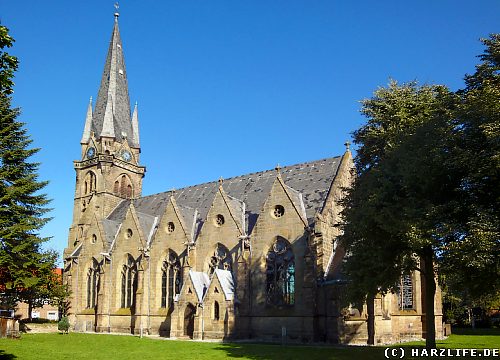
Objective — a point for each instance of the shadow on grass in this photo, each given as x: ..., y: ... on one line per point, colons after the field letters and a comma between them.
x: 475, y: 332
x: 5, y: 356
x: 269, y: 351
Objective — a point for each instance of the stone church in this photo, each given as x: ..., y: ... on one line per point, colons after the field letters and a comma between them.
x: 250, y: 257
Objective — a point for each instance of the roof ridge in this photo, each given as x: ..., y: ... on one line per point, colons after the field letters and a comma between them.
x: 242, y: 175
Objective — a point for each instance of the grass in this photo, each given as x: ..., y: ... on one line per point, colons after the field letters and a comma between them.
x: 77, y: 346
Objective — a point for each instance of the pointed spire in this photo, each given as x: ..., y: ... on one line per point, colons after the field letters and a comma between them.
x: 113, y: 94
x: 135, y: 126
x: 108, y: 126
x: 88, y: 124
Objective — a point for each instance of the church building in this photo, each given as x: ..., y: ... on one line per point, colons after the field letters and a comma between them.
x: 255, y: 256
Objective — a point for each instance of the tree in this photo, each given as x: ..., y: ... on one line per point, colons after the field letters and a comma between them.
x: 427, y: 197
x: 24, y: 266
x: 471, y: 260
x: 474, y: 249
x: 393, y: 211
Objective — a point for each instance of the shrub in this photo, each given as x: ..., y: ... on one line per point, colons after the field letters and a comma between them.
x: 63, y: 324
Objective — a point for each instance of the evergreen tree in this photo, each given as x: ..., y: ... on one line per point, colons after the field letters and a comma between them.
x: 23, y: 264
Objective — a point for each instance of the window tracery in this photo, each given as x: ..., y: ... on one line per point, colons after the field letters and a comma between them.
x: 92, y: 284
x: 280, y: 274
x: 171, y: 279
x: 405, y: 293
x: 129, y: 271
x: 221, y: 259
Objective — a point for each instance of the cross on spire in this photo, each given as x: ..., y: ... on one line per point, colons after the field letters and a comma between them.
x: 117, y: 6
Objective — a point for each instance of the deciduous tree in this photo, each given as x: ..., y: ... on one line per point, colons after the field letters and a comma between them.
x: 392, y: 213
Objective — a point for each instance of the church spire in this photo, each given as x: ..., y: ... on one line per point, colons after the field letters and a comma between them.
x: 135, y: 126
x: 88, y: 124
x: 111, y: 117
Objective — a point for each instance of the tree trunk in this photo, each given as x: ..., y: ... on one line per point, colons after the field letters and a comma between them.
x: 370, y: 305
x: 430, y: 292
x: 30, y: 310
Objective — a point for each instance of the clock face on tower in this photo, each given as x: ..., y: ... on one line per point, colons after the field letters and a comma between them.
x: 126, y: 155
x: 90, y: 152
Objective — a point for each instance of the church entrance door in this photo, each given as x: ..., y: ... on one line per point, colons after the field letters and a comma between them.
x: 189, y: 320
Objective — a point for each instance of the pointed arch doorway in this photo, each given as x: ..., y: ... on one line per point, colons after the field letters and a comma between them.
x: 189, y: 320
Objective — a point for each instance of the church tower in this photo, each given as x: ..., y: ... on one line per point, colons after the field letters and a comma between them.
x: 108, y: 170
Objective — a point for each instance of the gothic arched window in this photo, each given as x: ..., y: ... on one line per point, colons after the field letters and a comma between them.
x: 221, y: 259
x: 89, y: 184
x: 123, y: 187
x: 216, y: 311
x: 92, y: 284
x: 129, y: 271
x: 171, y: 279
x: 405, y: 294
x: 280, y: 274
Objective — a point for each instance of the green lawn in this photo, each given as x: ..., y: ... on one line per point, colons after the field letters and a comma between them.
x: 96, y: 347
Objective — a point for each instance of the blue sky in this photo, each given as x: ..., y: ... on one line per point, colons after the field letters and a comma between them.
x: 227, y: 87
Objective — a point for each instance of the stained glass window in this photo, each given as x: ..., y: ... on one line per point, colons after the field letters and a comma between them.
x: 129, y: 271
x: 280, y: 274
x: 171, y: 279
x: 405, y: 298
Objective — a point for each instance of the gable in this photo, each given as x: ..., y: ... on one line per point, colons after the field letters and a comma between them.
x: 313, y: 180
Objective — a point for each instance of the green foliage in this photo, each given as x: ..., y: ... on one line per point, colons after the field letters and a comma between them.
x: 63, y: 324
x: 8, y: 63
x: 474, y: 249
x: 392, y: 213
x: 26, y: 270
x: 427, y: 191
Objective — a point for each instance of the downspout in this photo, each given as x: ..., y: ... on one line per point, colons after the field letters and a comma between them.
x: 109, y: 293
x: 202, y: 321
x: 151, y: 234
x: 149, y: 294
x: 77, y: 287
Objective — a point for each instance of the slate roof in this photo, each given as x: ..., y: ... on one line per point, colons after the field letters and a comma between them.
x: 110, y: 228
x: 226, y: 281
x: 200, y: 282
x: 308, y: 184
x: 114, y: 91
x: 312, y: 180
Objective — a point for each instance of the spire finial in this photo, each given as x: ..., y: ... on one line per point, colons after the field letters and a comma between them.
x: 347, y: 145
x: 117, y: 6
x: 221, y: 180
x: 278, y: 167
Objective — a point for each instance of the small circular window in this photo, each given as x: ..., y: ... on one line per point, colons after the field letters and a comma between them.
x: 94, y: 238
x: 129, y: 233
x: 170, y: 227
x: 219, y: 220
x: 278, y: 211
